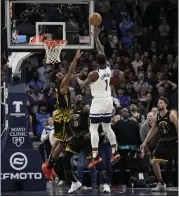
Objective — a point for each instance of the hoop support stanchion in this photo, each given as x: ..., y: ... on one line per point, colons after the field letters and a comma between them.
x: 21, y: 164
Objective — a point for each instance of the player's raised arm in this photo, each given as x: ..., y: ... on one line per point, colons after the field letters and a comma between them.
x: 92, y: 77
x: 72, y: 67
x: 65, y: 82
x: 99, y: 46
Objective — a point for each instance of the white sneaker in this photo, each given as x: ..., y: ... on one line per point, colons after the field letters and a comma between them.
x: 74, y: 186
x: 160, y: 188
x: 106, y: 188
x: 61, y: 182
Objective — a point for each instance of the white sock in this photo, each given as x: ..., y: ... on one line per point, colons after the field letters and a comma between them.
x: 113, y: 150
x: 95, y: 153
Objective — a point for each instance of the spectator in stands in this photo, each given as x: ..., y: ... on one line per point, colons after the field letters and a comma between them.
x: 137, y: 63
x: 161, y: 92
x: 44, y: 68
x: 135, y: 115
x: 40, y: 120
x: 164, y: 30
x: 141, y: 83
x: 144, y: 129
x: 154, y: 110
x: 123, y: 99
x: 35, y: 98
x: 150, y: 75
x: 153, y: 49
x: 142, y: 96
x: 128, y: 138
x: 115, y: 79
x: 35, y: 82
x: 125, y: 26
x: 47, y: 140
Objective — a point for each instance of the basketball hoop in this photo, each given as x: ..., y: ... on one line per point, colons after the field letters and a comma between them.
x: 53, y: 49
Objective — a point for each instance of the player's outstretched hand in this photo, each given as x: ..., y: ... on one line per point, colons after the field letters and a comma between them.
x: 78, y: 53
x: 96, y: 32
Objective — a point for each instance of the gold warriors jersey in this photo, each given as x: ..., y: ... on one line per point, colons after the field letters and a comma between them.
x: 63, y: 112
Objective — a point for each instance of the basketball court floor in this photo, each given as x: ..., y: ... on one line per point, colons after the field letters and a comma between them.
x: 55, y: 190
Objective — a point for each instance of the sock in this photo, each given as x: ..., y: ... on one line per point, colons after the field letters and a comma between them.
x: 95, y: 153
x: 51, y: 162
x: 160, y: 181
x: 113, y: 150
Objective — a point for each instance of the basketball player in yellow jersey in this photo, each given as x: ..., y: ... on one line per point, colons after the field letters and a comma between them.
x: 61, y: 118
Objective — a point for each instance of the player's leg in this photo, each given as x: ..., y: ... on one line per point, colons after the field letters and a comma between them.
x: 159, y: 156
x: 105, y: 167
x: 107, y: 129
x: 48, y: 166
x: 96, y: 112
x: 73, y: 147
x: 87, y: 151
x: 94, y: 124
x: 69, y: 172
x: 57, y: 148
x: 57, y: 151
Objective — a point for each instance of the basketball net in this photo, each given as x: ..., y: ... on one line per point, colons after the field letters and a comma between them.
x: 53, y: 49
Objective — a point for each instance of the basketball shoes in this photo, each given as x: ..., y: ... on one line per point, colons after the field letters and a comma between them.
x: 48, y: 172
x: 95, y: 161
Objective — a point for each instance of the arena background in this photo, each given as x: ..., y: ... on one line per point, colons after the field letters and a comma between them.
x: 142, y: 46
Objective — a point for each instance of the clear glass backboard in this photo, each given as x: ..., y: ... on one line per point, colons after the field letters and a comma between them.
x: 29, y: 22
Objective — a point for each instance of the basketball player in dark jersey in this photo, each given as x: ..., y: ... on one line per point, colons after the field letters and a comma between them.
x: 79, y: 142
x: 61, y: 118
x: 167, y: 147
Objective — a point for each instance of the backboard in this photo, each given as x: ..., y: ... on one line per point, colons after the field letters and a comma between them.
x: 28, y: 21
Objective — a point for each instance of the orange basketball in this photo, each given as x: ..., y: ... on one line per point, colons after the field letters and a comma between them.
x: 95, y: 19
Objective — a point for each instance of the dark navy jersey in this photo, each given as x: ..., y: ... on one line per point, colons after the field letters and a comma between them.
x: 79, y: 122
x: 167, y: 129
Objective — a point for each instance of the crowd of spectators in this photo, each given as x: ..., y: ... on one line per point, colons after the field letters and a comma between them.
x: 140, y: 42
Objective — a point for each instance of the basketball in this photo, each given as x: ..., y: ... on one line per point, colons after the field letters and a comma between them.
x: 95, y: 19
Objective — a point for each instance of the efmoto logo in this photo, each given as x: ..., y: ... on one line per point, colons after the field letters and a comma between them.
x: 18, y: 161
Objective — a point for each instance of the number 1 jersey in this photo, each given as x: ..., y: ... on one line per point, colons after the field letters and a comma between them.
x: 101, y: 87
